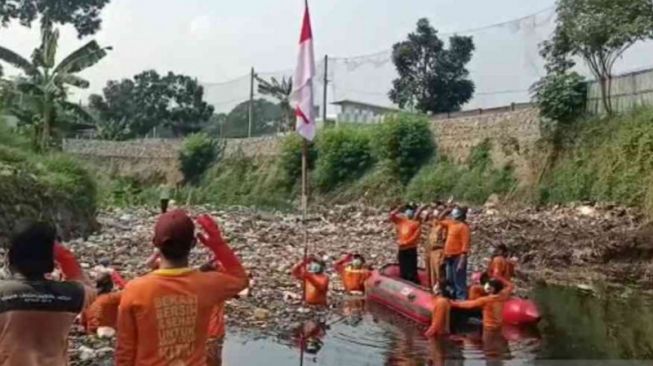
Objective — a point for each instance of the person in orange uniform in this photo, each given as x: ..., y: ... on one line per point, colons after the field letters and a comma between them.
x: 311, y: 271
x: 456, y: 248
x: 498, y: 292
x: 163, y: 316
x: 409, y: 232
x: 103, y: 312
x: 353, y: 272
x: 440, y: 321
x: 500, y: 265
x: 217, y: 329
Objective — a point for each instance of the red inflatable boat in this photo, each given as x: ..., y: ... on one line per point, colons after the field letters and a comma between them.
x: 415, y: 302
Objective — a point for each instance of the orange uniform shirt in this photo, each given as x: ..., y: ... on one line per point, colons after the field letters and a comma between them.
x: 103, y: 312
x: 440, y: 321
x: 408, y: 231
x: 458, y: 238
x: 163, y: 315
x: 354, y: 279
x: 491, y: 305
x: 317, y: 286
x: 501, y: 267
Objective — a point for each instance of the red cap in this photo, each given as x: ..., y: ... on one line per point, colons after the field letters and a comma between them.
x: 174, y: 227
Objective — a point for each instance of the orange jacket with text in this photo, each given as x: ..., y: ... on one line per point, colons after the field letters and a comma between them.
x: 458, y: 238
x: 163, y: 315
x: 491, y: 306
x: 409, y: 231
x: 103, y: 312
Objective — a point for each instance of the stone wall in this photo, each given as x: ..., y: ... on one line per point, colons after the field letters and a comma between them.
x: 513, y: 131
x: 513, y: 135
x: 155, y: 160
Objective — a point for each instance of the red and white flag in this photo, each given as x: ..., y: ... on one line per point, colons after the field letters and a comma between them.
x: 302, y: 94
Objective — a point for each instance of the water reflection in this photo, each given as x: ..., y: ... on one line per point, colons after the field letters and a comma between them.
x: 576, y: 325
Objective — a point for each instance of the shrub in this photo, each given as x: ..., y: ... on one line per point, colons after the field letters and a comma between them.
x: 197, y: 154
x: 344, y: 155
x: 405, y: 140
x: 434, y: 181
x: 380, y: 185
x: 291, y: 157
x: 67, y: 176
x: 561, y: 97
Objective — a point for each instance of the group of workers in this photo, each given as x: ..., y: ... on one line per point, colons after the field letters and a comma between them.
x: 174, y: 315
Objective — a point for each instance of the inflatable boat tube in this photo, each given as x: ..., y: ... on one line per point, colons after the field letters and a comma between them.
x: 415, y: 302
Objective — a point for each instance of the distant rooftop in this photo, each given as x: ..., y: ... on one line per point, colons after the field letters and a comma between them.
x: 363, y: 104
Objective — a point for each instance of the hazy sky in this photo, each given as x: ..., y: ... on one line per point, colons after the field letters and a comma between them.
x: 219, y: 40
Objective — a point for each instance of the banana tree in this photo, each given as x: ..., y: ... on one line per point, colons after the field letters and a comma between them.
x: 279, y: 90
x: 41, y: 93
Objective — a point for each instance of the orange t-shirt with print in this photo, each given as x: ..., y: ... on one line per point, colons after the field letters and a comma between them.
x: 163, y: 315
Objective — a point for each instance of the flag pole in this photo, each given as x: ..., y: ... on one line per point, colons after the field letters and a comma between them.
x: 304, y: 203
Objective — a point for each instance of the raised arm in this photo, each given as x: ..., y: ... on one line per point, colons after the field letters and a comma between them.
x: 222, y: 253
x: 419, y: 211
x: 394, y: 214
x: 299, y: 270
x: 342, y: 263
x: 72, y: 271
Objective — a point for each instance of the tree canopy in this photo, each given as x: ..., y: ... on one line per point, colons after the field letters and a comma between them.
x: 149, y: 100
x: 267, y: 116
x: 431, y: 77
x: 598, y: 31
x: 84, y: 15
x: 38, y: 98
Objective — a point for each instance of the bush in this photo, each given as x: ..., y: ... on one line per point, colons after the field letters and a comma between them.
x: 561, y: 97
x: 67, y: 176
x: 406, y: 141
x: 381, y: 185
x: 473, y: 182
x: 345, y: 154
x: 291, y: 157
x: 197, y: 154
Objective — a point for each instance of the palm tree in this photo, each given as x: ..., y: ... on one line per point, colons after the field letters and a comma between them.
x: 279, y: 90
x: 40, y: 95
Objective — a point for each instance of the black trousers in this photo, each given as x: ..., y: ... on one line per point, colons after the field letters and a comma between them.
x: 408, y: 265
x: 164, y: 205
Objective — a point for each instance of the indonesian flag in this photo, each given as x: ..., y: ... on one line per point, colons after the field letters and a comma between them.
x: 302, y: 94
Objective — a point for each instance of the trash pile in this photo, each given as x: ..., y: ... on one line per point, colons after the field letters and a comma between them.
x: 572, y: 241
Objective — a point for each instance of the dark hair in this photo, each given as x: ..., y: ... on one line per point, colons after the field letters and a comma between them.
x: 502, y: 248
x: 359, y: 257
x: 31, y: 249
x: 176, y: 250
x: 497, y: 285
x: 485, y: 278
x: 104, y: 283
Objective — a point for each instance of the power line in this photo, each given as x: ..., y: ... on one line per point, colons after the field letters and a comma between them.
x: 465, y: 31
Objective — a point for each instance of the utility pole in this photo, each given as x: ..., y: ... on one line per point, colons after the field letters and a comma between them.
x: 324, y: 92
x: 251, y: 103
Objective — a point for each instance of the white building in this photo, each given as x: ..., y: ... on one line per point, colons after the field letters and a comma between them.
x: 360, y: 112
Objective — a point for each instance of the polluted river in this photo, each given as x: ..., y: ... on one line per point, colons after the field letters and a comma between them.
x: 587, y: 268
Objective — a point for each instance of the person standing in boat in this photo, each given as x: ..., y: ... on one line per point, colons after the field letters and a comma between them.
x: 456, y: 248
x: 409, y: 232
x: 434, y: 250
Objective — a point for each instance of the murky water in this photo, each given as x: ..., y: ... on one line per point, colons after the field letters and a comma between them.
x: 576, y: 326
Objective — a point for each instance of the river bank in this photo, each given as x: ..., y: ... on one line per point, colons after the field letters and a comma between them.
x: 583, y: 246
